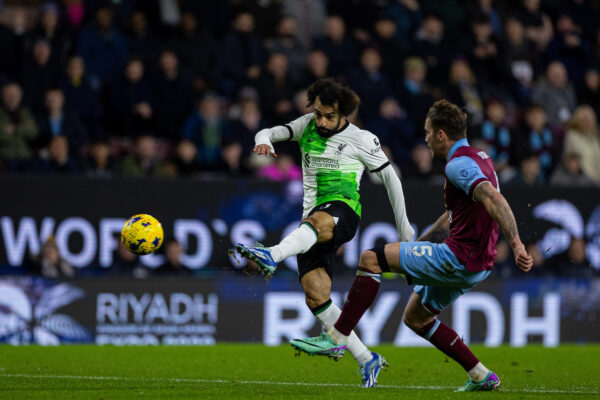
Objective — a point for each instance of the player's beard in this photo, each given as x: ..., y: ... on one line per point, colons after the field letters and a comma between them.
x: 327, y: 133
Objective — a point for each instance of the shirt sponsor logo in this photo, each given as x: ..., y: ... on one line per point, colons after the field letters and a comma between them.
x: 320, y: 162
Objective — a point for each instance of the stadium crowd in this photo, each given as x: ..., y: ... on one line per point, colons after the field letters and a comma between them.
x: 179, y: 87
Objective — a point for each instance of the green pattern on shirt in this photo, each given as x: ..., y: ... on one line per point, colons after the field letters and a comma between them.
x: 338, y: 185
x: 311, y: 141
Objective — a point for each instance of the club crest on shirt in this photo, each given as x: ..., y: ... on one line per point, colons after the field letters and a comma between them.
x: 340, y: 149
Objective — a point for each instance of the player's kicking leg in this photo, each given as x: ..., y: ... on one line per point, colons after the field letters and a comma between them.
x: 299, y: 241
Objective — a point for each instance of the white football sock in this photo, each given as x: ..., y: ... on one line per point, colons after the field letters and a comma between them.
x: 299, y: 241
x: 359, y: 351
x: 478, y: 373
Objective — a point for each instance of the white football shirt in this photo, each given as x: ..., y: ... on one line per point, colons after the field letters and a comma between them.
x: 332, y: 167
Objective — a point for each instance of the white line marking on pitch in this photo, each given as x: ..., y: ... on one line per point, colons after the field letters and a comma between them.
x: 190, y: 380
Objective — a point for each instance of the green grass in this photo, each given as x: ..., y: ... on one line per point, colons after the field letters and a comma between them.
x: 241, y: 371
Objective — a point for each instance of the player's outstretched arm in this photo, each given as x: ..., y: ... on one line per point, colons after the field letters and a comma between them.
x: 265, y: 138
x: 498, y: 208
x: 438, y: 232
x: 396, y: 195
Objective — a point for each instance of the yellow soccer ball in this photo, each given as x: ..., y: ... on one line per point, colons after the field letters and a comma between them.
x: 142, y: 234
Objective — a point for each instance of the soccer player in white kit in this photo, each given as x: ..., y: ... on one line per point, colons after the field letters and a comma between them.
x: 335, y: 153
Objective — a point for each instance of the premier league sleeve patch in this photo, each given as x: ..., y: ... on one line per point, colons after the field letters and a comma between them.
x: 462, y: 172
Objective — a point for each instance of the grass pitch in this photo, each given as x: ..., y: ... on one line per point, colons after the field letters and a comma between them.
x: 242, y: 371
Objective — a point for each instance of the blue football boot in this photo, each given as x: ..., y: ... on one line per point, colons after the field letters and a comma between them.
x: 260, y: 255
x: 370, y: 370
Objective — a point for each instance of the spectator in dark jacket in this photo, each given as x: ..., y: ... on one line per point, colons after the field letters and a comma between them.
x: 174, y: 96
x: 57, y: 121
x: 316, y: 67
x: 287, y: 42
x: 487, y: 56
x: 103, y: 47
x: 570, y: 48
x: 57, y: 159
x: 495, y: 132
x: 173, y: 265
x: 38, y: 74
x: 589, y: 93
x: 248, y: 121
x: 132, y: 100
x: 52, y: 31
x: 241, y: 55
x: 207, y: 129
x: 340, y: 48
x: 141, y: 40
x: 370, y: 83
x: 534, y: 138
x: 100, y: 163
x: 197, y: 52
x: 415, y: 94
x: 395, y: 130
x: 276, y: 89
x: 431, y: 46
x: 391, y: 48
x: 79, y: 97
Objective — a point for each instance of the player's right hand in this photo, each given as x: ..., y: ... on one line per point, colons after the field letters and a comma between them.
x: 264, y: 149
x: 523, y: 260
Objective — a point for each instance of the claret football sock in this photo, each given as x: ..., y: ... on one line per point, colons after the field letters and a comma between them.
x: 361, y: 296
x: 447, y: 340
x: 327, y: 314
x: 299, y: 241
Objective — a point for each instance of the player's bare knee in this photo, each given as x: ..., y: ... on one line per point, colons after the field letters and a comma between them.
x: 313, y: 222
x: 415, y: 323
x: 412, y: 323
x: 324, y: 230
x: 368, y: 262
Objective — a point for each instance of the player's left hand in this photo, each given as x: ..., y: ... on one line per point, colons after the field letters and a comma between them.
x: 523, y: 260
x: 264, y: 149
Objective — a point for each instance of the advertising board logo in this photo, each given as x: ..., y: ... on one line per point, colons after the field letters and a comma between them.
x: 156, y: 318
x: 28, y: 312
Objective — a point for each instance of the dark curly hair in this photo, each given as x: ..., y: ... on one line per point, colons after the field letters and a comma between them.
x: 448, y: 117
x: 330, y: 92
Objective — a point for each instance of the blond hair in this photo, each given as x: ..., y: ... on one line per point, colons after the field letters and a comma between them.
x: 575, y: 122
